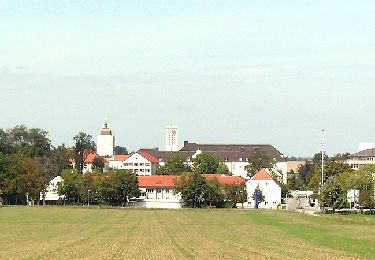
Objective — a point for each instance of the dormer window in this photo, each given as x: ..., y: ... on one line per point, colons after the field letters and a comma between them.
x: 240, y: 159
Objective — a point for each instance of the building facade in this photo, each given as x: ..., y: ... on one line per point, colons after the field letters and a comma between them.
x: 362, y: 158
x: 105, y: 142
x: 171, y: 138
x: 141, y: 163
x: 270, y: 190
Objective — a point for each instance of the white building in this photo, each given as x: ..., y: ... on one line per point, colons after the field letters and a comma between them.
x: 235, y: 156
x: 171, y: 138
x: 117, y: 161
x: 157, y: 191
x: 361, y: 158
x: 51, y: 194
x: 141, y: 163
x: 105, y: 142
x: 270, y: 190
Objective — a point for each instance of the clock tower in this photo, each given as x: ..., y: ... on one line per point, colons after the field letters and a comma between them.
x: 171, y: 138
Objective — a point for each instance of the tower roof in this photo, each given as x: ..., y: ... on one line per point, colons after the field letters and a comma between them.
x: 171, y: 126
x: 105, y: 129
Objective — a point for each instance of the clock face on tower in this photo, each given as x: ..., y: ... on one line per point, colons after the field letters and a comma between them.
x: 173, y: 132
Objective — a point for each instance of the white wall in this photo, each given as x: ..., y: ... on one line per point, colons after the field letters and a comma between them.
x: 139, y: 165
x: 160, y: 198
x: 270, y: 190
x: 105, y: 145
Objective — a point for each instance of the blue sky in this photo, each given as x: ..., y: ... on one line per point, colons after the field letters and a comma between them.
x: 224, y: 71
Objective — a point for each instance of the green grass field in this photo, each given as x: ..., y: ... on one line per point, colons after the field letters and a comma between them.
x: 92, y: 233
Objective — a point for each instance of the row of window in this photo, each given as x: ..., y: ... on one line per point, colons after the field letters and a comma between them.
x: 157, y: 191
x: 137, y: 164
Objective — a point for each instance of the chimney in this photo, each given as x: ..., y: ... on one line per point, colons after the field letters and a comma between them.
x: 186, y: 143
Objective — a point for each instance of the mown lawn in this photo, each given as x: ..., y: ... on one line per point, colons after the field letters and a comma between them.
x: 92, y: 233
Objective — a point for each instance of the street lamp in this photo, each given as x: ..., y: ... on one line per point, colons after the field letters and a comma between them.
x: 88, y: 197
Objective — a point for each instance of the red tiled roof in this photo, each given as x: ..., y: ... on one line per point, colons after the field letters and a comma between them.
x: 120, y: 157
x: 157, y: 180
x: 224, y: 179
x: 148, y: 157
x: 262, y: 175
x: 169, y: 180
x: 90, y: 157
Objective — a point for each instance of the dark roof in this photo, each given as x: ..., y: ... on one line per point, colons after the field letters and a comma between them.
x: 367, y: 152
x: 232, y: 152
x: 164, y: 155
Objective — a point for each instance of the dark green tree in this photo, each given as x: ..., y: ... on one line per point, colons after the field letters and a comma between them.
x: 123, y: 186
x: 120, y: 150
x: 258, y: 161
x: 175, y: 165
x: 83, y: 144
x: 191, y: 186
x: 98, y: 163
x: 206, y: 163
x: 333, y: 194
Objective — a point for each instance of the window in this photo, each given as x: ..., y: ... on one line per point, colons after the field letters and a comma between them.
x: 147, y: 170
x: 240, y: 159
x: 265, y: 203
x: 166, y: 191
x: 130, y: 164
x: 158, y: 191
x: 150, y: 190
x: 148, y: 164
x: 141, y: 164
x: 136, y: 164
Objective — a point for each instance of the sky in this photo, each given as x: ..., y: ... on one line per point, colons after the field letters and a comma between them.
x: 272, y: 72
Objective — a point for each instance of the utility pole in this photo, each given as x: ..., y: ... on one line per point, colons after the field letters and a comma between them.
x: 322, y: 152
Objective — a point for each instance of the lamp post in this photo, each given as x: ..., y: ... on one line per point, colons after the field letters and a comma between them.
x: 88, y: 197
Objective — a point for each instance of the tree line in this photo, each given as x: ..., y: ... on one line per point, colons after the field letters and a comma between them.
x: 339, y: 178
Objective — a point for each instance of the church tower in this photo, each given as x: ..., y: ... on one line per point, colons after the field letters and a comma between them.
x: 105, y: 142
x: 171, y: 138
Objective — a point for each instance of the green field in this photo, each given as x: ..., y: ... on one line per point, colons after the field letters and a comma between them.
x: 92, y: 233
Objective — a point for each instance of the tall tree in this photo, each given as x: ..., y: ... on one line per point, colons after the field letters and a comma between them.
x: 124, y: 185
x: 174, y: 165
x: 192, y: 187
x: 120, y: 150
x: 258, y: 161
x: 206, y: 163
x: 333, y: 194
x: 83, y: 144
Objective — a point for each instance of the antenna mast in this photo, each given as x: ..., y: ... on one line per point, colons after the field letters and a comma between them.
x: 322, y: 152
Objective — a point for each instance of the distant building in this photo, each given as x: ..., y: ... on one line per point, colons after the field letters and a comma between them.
x: 105, y: 142
x: 117, y: 161
x: 157, y: 190
x: 51, y: 195
x: 141, y: 163
x: 234, y: 156
x: 362, y: 158
x: 270, y: 190
x: 171, y: 138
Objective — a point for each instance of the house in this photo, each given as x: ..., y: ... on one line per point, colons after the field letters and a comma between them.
x: 117, y: 161
x: 51, y: 195
x: 141, y: 163
x: 157, y: 191
x: 269, y: 187
x: 88, y: 162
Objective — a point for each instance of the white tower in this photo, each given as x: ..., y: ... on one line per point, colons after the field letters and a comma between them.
x: 171, y: 138
x: 105, y: 141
